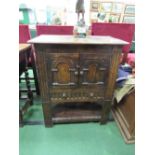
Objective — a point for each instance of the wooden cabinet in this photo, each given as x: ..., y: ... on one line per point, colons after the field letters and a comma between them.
x: 124, y: 115
x: 75, y: 70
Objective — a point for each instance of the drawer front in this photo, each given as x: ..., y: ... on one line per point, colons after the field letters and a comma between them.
x: 77, y: 94
x: 62, y: 69
x: 94, y: 69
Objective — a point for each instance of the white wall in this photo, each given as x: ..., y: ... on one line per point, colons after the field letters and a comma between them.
x: 41, y: 5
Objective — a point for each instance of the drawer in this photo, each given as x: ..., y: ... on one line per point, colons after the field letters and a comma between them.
x: 76, y: 94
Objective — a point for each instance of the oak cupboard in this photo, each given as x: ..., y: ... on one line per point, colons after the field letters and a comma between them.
x: 76, y: 71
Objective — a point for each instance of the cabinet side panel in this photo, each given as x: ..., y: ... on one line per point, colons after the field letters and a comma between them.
x: 42, y: 73
x: 115, y: 61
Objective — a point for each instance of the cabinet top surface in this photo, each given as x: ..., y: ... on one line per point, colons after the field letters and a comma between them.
x: 70, y: 39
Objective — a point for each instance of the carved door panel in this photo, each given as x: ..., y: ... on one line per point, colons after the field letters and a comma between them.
x: 94, y: 69
x: 63, y: 71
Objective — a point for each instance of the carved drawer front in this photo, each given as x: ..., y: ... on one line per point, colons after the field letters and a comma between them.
x: 62, y: 70
x: 75, y: 95
x: 94, y: 69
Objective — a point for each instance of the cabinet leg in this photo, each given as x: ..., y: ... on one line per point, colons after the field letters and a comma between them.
x: 106, y: 106
x: 36, y: 80
x: 47, y: 111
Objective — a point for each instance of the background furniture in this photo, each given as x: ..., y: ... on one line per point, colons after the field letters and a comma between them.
x: 118, y: 30
x: 24, y: 36
x: 24, y: 54
x: 71, y: 72
x: 124, y: 115
x: 57, y: 30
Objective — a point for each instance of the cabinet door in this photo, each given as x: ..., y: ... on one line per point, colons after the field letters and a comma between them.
x: 62, y: 70
x: 94, y: 68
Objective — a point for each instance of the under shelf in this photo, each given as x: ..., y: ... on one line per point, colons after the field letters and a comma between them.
x: 79, y: 112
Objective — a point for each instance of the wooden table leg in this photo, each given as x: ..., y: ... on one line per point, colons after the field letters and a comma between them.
x: 29, y: 93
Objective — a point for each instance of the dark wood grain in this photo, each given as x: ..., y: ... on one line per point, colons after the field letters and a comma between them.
x: 77, y: 70
x: 124, y: 115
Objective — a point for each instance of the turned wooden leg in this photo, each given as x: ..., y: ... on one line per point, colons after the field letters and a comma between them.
x: 35, y: 73
x: 36, y: 80
x: 29, y: 91
x: 106, y: 106
x: 47, y: 112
